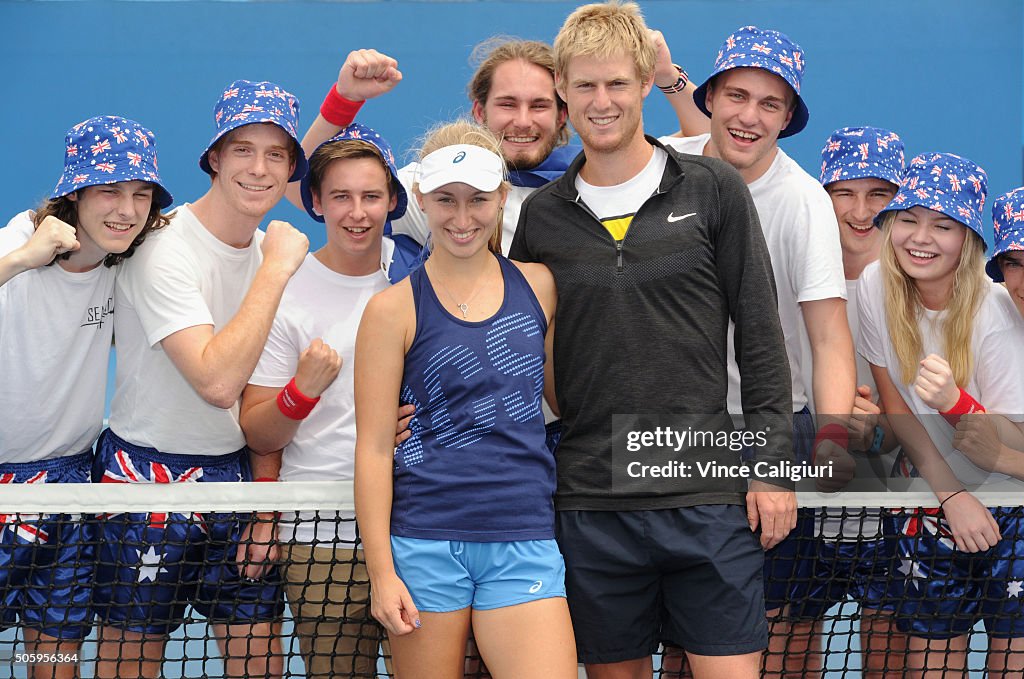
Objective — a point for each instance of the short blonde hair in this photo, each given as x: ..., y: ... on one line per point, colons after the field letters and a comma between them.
x: 466, y: 132
x: 605, y: 30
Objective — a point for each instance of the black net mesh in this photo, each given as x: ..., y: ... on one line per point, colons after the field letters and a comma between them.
x: 93, y: 583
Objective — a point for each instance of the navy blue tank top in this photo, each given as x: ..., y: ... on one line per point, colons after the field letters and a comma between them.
x: 476, y: 467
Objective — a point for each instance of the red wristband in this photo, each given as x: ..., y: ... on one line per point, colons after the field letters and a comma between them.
x: 337, y: 110
x: 264, y: 479
x: 834, y: 432
x: 965, y: 405
x: 293, y: 403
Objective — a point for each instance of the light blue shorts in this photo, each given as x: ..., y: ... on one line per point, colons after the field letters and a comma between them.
x: 449, y: 575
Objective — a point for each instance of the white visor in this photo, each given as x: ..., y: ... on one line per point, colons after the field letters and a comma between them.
x: 462, y: 164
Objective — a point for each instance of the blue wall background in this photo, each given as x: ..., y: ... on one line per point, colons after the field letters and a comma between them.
x: 946, y: 74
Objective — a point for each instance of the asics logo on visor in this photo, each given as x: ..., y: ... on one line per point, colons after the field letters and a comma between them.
x: 459, y: 157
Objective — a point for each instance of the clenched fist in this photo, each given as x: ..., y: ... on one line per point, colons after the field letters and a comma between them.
x: 284, y: 247
x: 977, y: 438
x: 935, y: 384
x: 863, y: 419
x: 665, y: 72
x: 319, y: 364
x: 831, y: 456
x: 53, y: 237
x: 367, y: 74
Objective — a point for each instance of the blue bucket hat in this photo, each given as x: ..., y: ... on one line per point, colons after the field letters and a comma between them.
x: 862, y: 152
x: 244, y: 103
x: 107, y: 150
x: 1008, y: 229
x: 946, y: 183
x: 358, y: 132
x: 752, y: 47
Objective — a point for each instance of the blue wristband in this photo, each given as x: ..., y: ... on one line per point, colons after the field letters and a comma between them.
x: 876, y: 443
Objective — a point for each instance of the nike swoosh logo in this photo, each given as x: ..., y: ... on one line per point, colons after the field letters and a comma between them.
x: 672, y: 218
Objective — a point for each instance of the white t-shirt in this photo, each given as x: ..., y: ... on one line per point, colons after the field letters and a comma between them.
x: 414, y: 222
x: 55, y: 332
x: 182, y: 276
x: 623, y: 200
x: 800, y: 228
x: 319, y: 303
x: 998, y: 379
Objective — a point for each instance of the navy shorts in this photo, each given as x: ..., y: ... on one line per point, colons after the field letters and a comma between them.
x: 46, y: 562
x: 691, y: 575
x: 943, y: 592
x: 789, y: 562
x: 862, y: 570
x: 152, y: 566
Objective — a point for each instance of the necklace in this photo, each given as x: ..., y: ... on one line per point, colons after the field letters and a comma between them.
x: 462, y: 306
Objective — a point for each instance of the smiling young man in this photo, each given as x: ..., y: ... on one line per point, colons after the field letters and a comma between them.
x: 301, y: 396
x: 57, y: 271
x: 651, y: 248
x: 753, y: 100
x: 194, y: 311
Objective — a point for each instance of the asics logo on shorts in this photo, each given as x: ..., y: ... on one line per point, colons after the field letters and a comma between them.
x: 535, y: 587
x: 672, y: 218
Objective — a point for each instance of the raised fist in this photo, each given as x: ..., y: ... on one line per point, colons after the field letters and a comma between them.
x: 52, y: 238
x: 665, y: 72
x: 863, y: 419
x: 367, y: 74
x: 318, y: 366
x: 935, y: 384
x: 284, y: 247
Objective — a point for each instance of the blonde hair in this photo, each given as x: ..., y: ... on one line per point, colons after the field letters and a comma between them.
x: 466, y: 132
x: 606, y: 30
x: 903, y: 307
x: 499, y: 49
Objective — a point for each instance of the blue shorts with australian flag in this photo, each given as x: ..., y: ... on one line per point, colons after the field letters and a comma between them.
x: 943, y: 591
x: 152, y: 566
x: 46, y: 561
